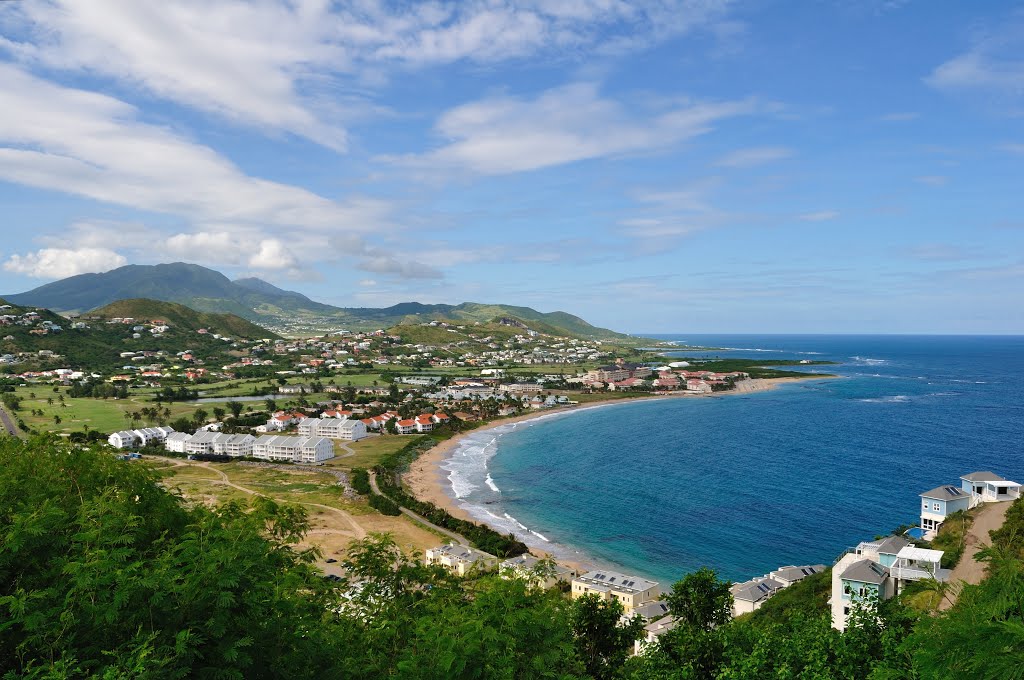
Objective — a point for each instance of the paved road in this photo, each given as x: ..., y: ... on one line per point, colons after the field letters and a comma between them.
x: 968, y: 570
x: 458, y: 538
x: 8, y: 423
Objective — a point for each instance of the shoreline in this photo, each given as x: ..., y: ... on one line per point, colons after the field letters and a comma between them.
x: 427, y: 481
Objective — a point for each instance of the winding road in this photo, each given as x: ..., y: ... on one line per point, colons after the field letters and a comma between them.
x: 8, y: 423
x: 969, y: 570
x: 458, y: 538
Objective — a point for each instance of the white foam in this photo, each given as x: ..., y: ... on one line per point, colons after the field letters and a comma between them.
x: 490, y: 482
x: 895, y: 399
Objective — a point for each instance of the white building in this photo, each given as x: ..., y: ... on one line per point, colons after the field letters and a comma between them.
x: 878, y: 570
x: 293, y: 449
x: 989, y: 487
x: 175, y: 442
x: 124, y: 439
x: 460, y: 559
x: 332, y: 428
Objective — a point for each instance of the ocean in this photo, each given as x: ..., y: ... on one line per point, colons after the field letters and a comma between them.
x: 746, y: 483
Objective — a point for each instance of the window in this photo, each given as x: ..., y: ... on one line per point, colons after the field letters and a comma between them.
x: 846, y: 588
x: 935, y: 507
x: 846, y: 611
x: 926, y: 505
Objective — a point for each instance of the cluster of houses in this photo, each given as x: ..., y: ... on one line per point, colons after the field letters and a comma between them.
x: 878, y: 570
x: 341, y: 424
x: 277, y: 448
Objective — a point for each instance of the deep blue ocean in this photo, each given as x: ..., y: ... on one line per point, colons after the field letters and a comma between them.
x: 746, y: 483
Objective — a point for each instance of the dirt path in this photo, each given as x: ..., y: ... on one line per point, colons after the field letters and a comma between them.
x: 8, y: 423
x: 458, y: 538
x: 357, y: 529
x: 968, y: 570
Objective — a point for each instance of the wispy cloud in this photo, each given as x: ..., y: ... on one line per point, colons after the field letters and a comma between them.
x: 899, y: 117
x: 819, y: 216
x: 506, y: 134
x: 754, y: 156
x: 992, y: 64
x: 265, y: 63
x: 933, y: 180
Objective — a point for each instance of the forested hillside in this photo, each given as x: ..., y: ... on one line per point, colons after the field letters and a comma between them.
x: 104, y: 573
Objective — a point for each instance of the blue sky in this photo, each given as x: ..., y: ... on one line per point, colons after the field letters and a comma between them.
x: 653, y: 166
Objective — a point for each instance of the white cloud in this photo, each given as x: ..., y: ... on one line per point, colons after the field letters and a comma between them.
x: 748, y: 158
x: 992, y: 64
x: 266, y: 63
x: 92, y: 145
x: 272, y: 254
x: 933, y: 180
x: 899, y: 117
x: 60, y: 263
x: 508, y: 134
x: 1012, y: 148
x: 819, y: 216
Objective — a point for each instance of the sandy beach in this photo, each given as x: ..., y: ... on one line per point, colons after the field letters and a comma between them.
x: 428, y: 482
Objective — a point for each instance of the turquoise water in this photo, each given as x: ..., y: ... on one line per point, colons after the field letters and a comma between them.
x: 745, y: 483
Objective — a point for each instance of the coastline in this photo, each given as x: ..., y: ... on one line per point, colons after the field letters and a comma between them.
x: 428, y: 481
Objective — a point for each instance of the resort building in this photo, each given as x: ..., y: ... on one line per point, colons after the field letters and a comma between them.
x: 332, y: 428
x: 988, y: 487
x: 525, y: 567
x: 128, y: 439
x: 878, y: 570
x: 293, y: 449
x: 938, y: 504
x: 750, y: 595
x: 631, y: 591
x: 789, y: 575
x: 460, y: 559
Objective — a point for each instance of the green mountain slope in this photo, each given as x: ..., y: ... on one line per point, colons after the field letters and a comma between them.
x: 180, y: 316
x: 289, y: 312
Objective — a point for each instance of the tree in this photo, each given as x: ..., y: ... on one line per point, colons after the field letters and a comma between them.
x: 235, y: 407
x: 601, y: 643
x: 270, y: 404
x: 700, y: 600
x: 218, y: 413
x: 199, y: 417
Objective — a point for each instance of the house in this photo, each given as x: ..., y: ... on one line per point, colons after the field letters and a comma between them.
x: 122, y: 440
x: 857, y: 580
x: 630, y: 591
x: 526, y: 567
x: 789, y: 575
x: 652, y: 631
x: 293, y: 389
x: 424, y: 423
x: 407, y: 426
x: 878, y: 570
x: 750, y: 595
x: 938, y: 504
x: 460, y: 559
x: 152, y: 434
x: 234, y: 445
x: 332, y: 428
x: 201, y: 442
x: 989, y: 487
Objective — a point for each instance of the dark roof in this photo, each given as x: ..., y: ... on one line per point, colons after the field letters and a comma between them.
x: 945, y: 493
x: 866, y: 571
x: 892, y: 545
x: 796, y: 573
x: 755, y: 591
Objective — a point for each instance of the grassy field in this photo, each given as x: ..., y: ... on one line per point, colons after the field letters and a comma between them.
x: 369, y: 451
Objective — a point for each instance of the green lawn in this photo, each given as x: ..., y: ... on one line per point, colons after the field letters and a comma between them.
x: 105, y: 415
x: 369, y: 451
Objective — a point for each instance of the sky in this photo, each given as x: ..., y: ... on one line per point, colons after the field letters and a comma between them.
x: 654, y: 166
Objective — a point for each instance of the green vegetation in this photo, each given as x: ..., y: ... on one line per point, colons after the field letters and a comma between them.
x: 182, y: 317
x: 106, y: 574
x: 805, y: 599
x: 952, y: 538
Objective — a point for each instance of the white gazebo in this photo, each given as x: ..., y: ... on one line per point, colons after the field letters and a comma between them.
x: 915, y: 564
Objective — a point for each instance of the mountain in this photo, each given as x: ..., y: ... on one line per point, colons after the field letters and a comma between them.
x: 285, y: 311
x: 182, y: 317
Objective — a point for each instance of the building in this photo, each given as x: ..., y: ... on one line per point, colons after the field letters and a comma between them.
x: 938, y: 504
x: 460, y: 559
x: 630, y: 591
x: 750, y: 595
x: 989, y: 487
x: 525, y: 567
x: 125, y: 439
x: 789, y: 575
x: 293, y: 449
x: 652, y: 631
x: 332, y: 428
x: 147, y: 435
x: 878, y: 570
x: 175, y: 442
x: 294, y: 389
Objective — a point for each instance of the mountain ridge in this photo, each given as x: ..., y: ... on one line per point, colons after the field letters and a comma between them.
x: 287, y: 312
